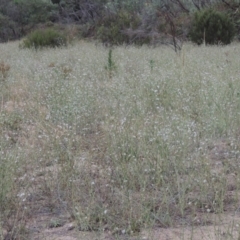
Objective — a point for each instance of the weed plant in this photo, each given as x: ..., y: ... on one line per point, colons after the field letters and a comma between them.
x: 111, y: 66
x: 155, y: 147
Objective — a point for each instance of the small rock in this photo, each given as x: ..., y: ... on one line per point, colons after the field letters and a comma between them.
x: 70, y: 226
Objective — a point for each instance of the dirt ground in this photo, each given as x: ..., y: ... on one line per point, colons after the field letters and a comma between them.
x: 228, y: 227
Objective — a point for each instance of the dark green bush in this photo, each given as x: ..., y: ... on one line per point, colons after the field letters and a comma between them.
x: 9, y: 29
x: 45, y: 38
x: 111, y: 29
x: 212, y: 27
x: 33, y: 12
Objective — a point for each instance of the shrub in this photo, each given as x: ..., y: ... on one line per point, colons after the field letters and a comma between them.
x: 45, y: 38
x: 212, y: 27
x: 32, y: 12
x: 111, y: 29
x: 9, y: 30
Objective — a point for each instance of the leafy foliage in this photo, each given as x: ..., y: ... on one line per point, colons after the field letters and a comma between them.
x: 32, y: 12
x: 45, y: 38
x: 111, y: 66
x: 113, y: 22
x: 8, y: 29
x: 212, y: 27
x: 81, y: 11
x: 111, y: 28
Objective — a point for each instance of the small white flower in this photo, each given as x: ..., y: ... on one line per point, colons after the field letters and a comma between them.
x: 21, y: 194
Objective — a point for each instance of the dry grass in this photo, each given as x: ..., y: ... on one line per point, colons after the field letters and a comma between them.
x: 155, y: 145
x: 4, y: 69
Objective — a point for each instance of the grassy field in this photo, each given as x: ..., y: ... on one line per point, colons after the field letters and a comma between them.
x: 118, y: 141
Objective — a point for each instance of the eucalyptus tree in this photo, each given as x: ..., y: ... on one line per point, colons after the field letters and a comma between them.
x: 81, y: 11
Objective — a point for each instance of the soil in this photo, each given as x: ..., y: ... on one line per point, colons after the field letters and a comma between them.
x: 227, y: 228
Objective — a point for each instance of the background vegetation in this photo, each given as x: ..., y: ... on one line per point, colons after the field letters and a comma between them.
x: 111, y: 22
x: 212, y: 27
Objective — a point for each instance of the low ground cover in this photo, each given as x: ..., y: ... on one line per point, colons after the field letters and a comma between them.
x: 150, y: 142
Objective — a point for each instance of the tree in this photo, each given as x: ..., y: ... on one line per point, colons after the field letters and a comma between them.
x: 33, y: 12
x: 55, y: 1
x: 81, y: 11
x: 212, y: 27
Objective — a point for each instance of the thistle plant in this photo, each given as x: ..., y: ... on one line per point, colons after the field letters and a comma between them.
x: 151, y: 63
x: 111, y: 66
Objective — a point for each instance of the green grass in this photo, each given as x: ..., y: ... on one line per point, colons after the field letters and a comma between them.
x: 151, y: 147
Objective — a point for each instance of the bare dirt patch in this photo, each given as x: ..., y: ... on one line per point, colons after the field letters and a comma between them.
x: 227, y: 227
